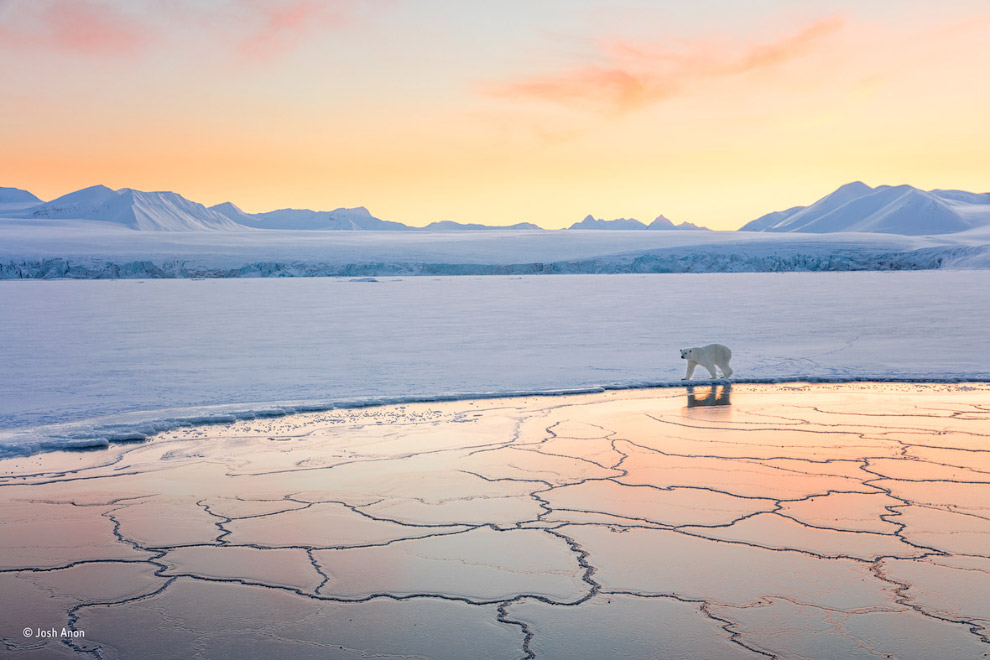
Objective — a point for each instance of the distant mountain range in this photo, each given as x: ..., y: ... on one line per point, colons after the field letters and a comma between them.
x: 339, y: 219
x: 854, y: 207
x: 168, y: 211
x: 662, y: 223
x: 450, y: 225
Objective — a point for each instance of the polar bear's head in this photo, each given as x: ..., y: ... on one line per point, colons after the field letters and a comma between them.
x: 687, y: 353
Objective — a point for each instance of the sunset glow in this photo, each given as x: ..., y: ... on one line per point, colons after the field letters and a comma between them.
x: 712, y: 112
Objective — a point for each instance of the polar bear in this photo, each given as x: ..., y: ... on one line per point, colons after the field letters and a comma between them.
x: 708, y: 357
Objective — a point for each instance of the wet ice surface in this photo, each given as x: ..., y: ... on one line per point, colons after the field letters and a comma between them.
x: 805, y: 521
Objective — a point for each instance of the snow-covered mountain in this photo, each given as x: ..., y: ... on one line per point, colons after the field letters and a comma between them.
x: 149, y: 211
x: 233, y: 212
x: 961, y: 196
x: 770, y: 219
x: 168, y: 211
x: 16, y: 197
x: 339, y: 219
x: 450, y: 225
x: 856, y: 207
x: 78, y: 204
x: 590, y: 222
x: 663, y: 223
x: 160, y: 211
x: 359, y: 218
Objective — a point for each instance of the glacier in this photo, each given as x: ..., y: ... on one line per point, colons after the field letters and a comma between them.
x: 56, y: 248
x: 670, y: 260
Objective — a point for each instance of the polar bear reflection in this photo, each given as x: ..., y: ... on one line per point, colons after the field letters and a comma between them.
x: 709, y: 357
x: 710, y: 396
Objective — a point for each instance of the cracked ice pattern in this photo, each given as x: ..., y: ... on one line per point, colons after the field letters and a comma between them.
x: 814, y: 521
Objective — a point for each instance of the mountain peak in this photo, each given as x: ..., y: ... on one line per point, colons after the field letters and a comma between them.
x: 854, y: 187
x: 78, y: 204
x: 357, y: 211
x: 17, y: 196
x: 661, y: 222
x: 227, y: 206
x: 665, y: 224
x: 89, y: 194
x: 590, y: 222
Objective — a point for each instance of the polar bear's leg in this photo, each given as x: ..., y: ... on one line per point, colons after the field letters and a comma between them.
x: 723, y: 362
x: 690, y: 372
x: 707, y: 364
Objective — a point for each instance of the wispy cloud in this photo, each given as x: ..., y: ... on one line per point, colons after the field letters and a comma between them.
x: 631, y: 75
x: 76, y: 26
x: 255, y: 30
x: 278, y: 27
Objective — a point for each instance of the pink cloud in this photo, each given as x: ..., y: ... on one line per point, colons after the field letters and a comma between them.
x: 74, y: 26
x: 257, y: 30
x: 788, y: 48
x: 277, y: 28
x: 635, y: 75
x: 590, y: 87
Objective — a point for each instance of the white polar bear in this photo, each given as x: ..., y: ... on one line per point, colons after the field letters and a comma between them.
x: 708, y: 357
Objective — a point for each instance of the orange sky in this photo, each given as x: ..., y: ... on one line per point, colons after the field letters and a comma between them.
x: 712, y: 112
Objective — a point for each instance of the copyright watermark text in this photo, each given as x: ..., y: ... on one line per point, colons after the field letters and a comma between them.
x: 53, y: 633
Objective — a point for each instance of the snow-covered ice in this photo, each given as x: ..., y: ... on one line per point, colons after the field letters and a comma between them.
x: 86, y: 360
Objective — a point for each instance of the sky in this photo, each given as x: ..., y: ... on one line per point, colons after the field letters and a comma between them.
x: 710, y: 111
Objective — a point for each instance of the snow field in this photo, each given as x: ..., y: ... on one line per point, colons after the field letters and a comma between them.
x: 84, y: 360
